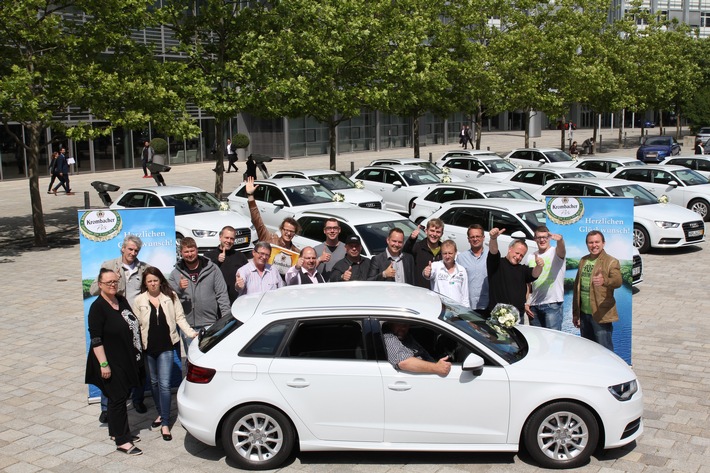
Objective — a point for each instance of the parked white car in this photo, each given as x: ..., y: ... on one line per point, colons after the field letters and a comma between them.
x: 485, y: 166
x: 681, y: 185
x: 305, y: 368
x: 534, y: 157
x: 656, y: 225
x: 336, y: 182
x: 603, y: 166
x: 431, y: 201
x: 699, y: 163
x: 198, y: 214
x: 422, y: 163
x: 399, y: 185
x: 277, y: 199
x: 532, y: 179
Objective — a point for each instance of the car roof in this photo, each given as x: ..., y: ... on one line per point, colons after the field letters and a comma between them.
x: 484, y: 186
x: 297, y: 301
x: 542, y: 150
x: 394, y: 167
x: 511, y: 205
x: 401, y: 160
x: 616, y: 159
x: 548, y: 169
x: 165, y: 190
x: 666, y: 167
x: 480, y: 157
x: 286, y: 182
x: 602, y: 182
x: 353, y: 215
x: 306, y: 172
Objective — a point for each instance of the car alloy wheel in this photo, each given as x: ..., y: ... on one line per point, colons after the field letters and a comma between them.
x: 700, y: 207
x: 561, y: 435
x: 258, y: 437
x: 642, y: 241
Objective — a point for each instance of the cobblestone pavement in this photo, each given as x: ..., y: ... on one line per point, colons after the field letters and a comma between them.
x: 47, y: 425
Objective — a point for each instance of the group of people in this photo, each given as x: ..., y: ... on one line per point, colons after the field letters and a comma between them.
x: 59, y: 171
x: 134, y: 322
x: 465, y: 137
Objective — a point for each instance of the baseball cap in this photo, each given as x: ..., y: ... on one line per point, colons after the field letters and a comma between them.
x: 353, y: 239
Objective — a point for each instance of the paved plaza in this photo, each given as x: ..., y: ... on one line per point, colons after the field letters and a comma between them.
x: 47, y: 425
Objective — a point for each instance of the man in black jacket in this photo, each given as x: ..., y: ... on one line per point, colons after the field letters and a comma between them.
x: 228, y: 259
x: 425, y: 251
x: 392, y: 264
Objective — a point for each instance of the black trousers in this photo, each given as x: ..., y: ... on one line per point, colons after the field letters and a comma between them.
x: 232, y: 159
x: 118, y: 419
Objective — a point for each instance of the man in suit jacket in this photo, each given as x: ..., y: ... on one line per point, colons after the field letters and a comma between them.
x: 593, y: 303
x: 392, y: 264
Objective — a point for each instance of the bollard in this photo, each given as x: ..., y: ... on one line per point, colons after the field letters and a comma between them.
x: 488, y: 148
x: 599, y: 148
x: 87, y: 204
x: 431, y: 158
x: 624, y: 139
x: 534, y: 144
x: 352, y: 168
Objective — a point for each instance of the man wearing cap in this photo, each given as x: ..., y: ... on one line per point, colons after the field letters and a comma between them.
x: 354, y: 267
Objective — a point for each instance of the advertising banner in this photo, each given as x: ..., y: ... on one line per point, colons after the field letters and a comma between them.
x: 573, y: 218
x: 101, y: 234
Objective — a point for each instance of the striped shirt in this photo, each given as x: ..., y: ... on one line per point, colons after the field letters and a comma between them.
x: 255, y: 283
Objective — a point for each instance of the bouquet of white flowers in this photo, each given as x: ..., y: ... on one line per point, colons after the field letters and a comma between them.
x: 338, y: 197
x: 505, y: 315
x: 224, y: 206
x: 663, y: 199
x: 359, y: 184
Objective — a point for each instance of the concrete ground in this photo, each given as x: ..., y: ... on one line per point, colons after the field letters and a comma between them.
x: 47, y: 425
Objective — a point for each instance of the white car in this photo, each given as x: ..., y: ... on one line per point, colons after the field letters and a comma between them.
x: 198, y: 214
x: 277, y: 199
x: 422, y: 163
x: 336, y: 183
x: 431, y: 201
x: 656, y: 225
x: 699, y: 163
x: 398, y: 184
x: 602, y: 167
x: 305, y: 368
x: 371, y: 225
x: 457, y: 153
x: 534, y: 157
x: 703, y: 133
x: 486, y: 166
x: 681, y: 185
x: 532, y: 179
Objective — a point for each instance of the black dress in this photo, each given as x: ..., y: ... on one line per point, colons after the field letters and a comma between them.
x: 119, y: 333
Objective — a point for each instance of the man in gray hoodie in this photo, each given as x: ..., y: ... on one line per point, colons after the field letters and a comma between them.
x: 200, y: 286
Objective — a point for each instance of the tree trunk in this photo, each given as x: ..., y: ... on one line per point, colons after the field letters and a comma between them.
x: 40, y: 232
x: 660, y: 122
x: 479, y: 124
x: 526, y: 120
x: 622, y: 117
x: 331, y: 143
x: 594, y: 135
x: 219, y: 156
x: 415, y: 135
x: 562, y: 137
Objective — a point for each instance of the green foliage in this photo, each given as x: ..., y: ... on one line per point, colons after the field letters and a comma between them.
x: 159, y: 145
x: 240, y: 140
x: 85, y: 286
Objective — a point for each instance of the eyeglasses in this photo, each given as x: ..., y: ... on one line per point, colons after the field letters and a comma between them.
x: 542, y: 238
x: 263, y: 254
x: 330, y: 229
x: 286, y: 230
x: 475, y: 237
x: 109, y: 283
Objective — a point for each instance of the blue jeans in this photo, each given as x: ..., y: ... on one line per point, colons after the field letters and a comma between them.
x: 547, y: 315
x: 160, y: 368
x: 596, y: 332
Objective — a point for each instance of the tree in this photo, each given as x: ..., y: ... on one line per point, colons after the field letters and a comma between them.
x: 62, y: 53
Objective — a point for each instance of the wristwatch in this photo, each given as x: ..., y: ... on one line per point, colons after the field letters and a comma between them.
x: 104, y: 364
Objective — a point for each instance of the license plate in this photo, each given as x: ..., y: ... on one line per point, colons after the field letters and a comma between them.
x: 635, y: 271
x: 694, y: 233
x: 241, y: 240
x: 652, y: 155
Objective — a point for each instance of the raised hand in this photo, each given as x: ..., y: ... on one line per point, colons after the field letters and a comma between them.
x: 598, y: 278
x: 240, y: 282
x: 325, y: 257
x: 250, y: 186
x: 414, y: 234
x: 495, y: 233
x: 427, y: 271
x: 222, y: 255
x: 183, y: 282
x: 348, y: 274
x: 389, y: 272
x: 443, y: 366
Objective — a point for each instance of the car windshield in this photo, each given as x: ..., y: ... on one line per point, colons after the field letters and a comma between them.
x: 634, y: 163
x: 690, y: 177
x: 191, y: 203
x: 576, y: 175
x: 431, y: 167
x: 509, y: 194
x: 640, y: 195
x: 499, y: 165
x: 333, y: 182
x: 417, y: 177
x: 658, y: 140
x: 534, y: 218
x: 507, y: 343
x: 308, y: 194
x: 374, y: 235
x: 558, y: 156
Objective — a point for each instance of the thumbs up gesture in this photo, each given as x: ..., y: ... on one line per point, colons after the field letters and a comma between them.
x: 222, y: 255
x: 348, y: 274
x: 183, y: 282
x: 598, y: 278
x: 389, y: 272
x: 325, y: 257
x: 427, y: 271
x: 240, y: 282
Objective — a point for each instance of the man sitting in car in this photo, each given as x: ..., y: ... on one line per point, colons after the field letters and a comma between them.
x: 406, y: 354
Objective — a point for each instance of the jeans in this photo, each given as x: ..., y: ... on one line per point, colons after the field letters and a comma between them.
x: 596, y: 332
x: 547, y: 315
x: 160, y: 368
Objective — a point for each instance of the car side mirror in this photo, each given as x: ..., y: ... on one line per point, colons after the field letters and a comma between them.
x: 673, y: 184
x: 397, y: 183
x: 473, y: 363
x: 279, y: 203
x: 519, y: 235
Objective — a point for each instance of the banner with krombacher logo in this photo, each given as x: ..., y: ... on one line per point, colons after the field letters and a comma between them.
x: 101, y: 235
x: 573, y: 218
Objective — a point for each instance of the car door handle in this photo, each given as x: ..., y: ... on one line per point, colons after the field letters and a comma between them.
x: 399, y: 386
x: 298, y: 383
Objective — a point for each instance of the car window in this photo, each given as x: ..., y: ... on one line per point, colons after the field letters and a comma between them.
x: 689, y: 177
x: 434, y: 341
x: 637, y: 175
x: 501, y: 219
x: 329, y: 339
x: 458, y: 164
x: 548, y: 176
x: 260, y: 193
x: 564, y: 188
x: 657, y: 140
x: 268, y: 341
x: 640, y: 195
x: 154, y: 201
x: 661, y: 177
x: 374, y: 175
x: 133, y: 200
x: 557, y: 156
x: 312, y: 227
x: 499, y: 165
x: 420, y: 176
x: 192, y: 203
x: 374, y: 235
x: 287, y: 175
x: 217, y: 332
x: 445, y: 195
x: 432, y: 168
x: 533, y: 219
x: 527, y: 155
x: 334, y: 181
x: 594, y: 191
x: 685, y: 162
x: 530, y: 177
x: 595, y: 166
x: 391, y: 177
x: 308, y: 194
x: 465, y: 216
x: 509, y: 194
x: 703, y: 165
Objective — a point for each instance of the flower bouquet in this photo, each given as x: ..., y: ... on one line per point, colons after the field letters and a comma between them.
x: 505, y: 315
x: 663, y: 199
x: 359, y: 184
x: 224, y: 206
x: 338, y: 197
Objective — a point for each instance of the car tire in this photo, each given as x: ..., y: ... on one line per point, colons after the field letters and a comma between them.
x: 561, y: 435
x: 642, y: 241
x: 258, y: 437
x: 700, y: 207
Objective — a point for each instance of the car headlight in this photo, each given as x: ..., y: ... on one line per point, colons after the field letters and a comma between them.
x: 624, y: 391
x: 662, y: 224
x: 204, y: 233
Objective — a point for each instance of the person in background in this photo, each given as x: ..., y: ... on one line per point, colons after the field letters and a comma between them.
x: 159, y: 312
x: 53, y: 171
x: 251, y: 168
x: 573, y: 151
x: 699, y: 149
x: 231, y: 156
x: 307, y: 273
x: 61, y: 168
x: 146, y: 157
x: 115, y: 361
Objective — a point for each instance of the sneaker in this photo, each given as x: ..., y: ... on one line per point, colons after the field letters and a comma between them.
x: 103, y: 418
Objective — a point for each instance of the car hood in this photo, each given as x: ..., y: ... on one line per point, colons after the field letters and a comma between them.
x: 212, y: 220
x: 666, y: 212
x: 647, y: 148
x: 358, y: 196
x: 557, y: 355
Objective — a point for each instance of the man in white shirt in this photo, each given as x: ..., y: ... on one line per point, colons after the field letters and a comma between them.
x: 307, y: 273
x: 448, y: 277
x: 544, y: 306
